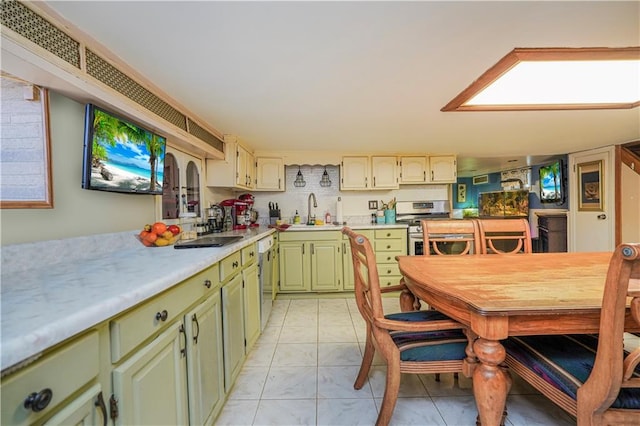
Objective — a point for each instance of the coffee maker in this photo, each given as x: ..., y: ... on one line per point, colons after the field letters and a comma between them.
x: 215, y: 217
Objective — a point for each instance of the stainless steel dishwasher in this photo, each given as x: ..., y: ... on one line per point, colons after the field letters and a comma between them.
x: 265, y: 274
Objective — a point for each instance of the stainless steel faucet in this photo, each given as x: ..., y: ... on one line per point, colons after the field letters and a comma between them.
x: 315, y: 204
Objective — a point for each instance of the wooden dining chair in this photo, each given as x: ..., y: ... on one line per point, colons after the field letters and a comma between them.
x: 418, y: 342
x: 504, y: 236
x: 592, y: 377
x: 441, y: 237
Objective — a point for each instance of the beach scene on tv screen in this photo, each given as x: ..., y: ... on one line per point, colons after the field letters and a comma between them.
x: 125, y: 157
x: 549, y: 182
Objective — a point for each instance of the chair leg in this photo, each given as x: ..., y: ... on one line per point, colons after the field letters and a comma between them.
x: 391, y: 389
x: 367, y: 359
x: 437, y: 377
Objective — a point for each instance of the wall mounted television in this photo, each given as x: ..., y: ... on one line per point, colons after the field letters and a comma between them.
x: 120, y: 156
x: 552, y: 182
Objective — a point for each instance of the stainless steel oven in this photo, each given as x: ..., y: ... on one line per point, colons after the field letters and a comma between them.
x: 412, y: 212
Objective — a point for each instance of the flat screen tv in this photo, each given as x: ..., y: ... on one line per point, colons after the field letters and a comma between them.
x: 121, y: 156
x: 552, y: 183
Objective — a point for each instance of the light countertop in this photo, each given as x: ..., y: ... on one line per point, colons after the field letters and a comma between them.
x: 53, y: 290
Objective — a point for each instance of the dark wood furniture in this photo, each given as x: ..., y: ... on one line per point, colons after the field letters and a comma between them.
x: 552, y: 233
x: 418, y: 342
x: 509, y: 295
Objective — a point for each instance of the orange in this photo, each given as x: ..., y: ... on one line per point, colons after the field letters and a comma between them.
x: 159, y: 228
x: 150, y: 237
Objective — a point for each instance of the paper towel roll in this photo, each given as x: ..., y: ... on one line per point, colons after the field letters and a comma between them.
x: 339, y: 218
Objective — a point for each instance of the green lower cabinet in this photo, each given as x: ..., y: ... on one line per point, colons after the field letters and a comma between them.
x: 232, y: 329
x: 151, y: 386
x: 347, y: 261
x: 252, y: 306
x: 295, y: 267
x: 205, y: 369
x: 326, y: 266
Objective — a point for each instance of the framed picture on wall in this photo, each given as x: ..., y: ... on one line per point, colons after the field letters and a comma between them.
x: 462, y: 193
x: 590, y: 186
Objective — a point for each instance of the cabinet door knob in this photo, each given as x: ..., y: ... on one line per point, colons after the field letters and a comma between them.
x: 38, y: 401
x: 162, y: 316
x: 207, y: 283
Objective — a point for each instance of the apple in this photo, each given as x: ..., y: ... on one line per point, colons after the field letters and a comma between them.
x: 175, y: 229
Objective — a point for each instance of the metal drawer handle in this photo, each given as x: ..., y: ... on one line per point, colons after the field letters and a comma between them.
x: 162, y: 316
x: 38, y: 401
x: 207, y: 283
x: 235, y: 264
x: 388, y: 247
x: 194, y: 319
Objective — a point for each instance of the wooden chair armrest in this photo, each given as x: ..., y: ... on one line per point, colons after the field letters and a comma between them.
x: 391, y: 288
x: 393, y: 325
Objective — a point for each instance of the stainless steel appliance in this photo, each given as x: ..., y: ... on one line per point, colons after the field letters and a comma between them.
x: 412, y: 212
x: 265, y: 274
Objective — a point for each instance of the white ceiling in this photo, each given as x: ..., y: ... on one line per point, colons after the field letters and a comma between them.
x: 363, y: 77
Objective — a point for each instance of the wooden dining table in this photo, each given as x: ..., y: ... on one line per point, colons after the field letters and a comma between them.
x: 498, y: 296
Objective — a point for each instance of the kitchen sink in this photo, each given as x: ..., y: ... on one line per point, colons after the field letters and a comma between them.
x: 208, y: 241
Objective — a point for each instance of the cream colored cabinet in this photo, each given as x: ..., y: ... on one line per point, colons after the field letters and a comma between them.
x: 354, y: 173
x: 37, y: 391
x: 384, y: 171
x: 236, y: 171
x: 367, y: 173
x: 151, y: 386
x: 269, y: 174
x: 443, y: 169
x: 205, y: 368
x: 414, y: 170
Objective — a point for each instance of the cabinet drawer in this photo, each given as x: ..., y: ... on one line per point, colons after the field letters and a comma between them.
x: 63, y: 372
x: 230, y: 265
x: 249, y: 254
x: 388, y: 256
x: 388, y: 281
x: 310, y: 236
x: 131, y: 329
x: 390, y: 233
x: 398, y: 246
x: 388, y: 270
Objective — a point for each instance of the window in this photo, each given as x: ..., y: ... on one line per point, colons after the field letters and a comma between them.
x: 25, y: 163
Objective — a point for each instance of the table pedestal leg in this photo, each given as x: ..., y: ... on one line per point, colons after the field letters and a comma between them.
x: 491, y: 382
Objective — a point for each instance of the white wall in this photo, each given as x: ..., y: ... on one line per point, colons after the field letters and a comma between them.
x: 630, y: 205
x: 76, y: 211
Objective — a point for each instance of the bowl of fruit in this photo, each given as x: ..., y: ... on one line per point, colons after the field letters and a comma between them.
x: 159, y: 234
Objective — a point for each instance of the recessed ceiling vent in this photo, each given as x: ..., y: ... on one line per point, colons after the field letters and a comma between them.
x: 103, y: 71
x: 35, y: 28
x: 27, y: 23
x: 205, y: 136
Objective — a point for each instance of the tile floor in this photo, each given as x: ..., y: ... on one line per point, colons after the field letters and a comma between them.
x: 302, y: 369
